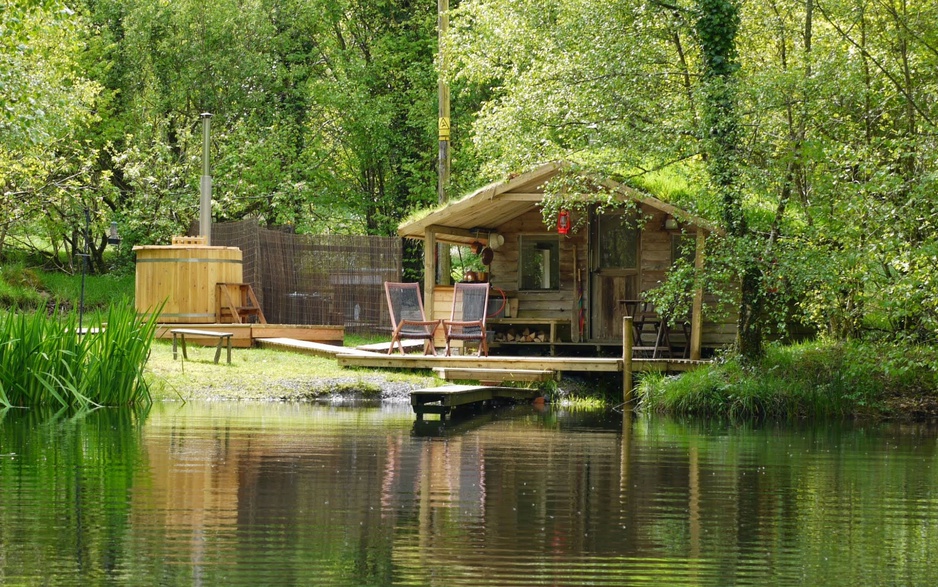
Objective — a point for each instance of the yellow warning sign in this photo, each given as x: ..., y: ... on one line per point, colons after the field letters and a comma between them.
x: 444, y: 129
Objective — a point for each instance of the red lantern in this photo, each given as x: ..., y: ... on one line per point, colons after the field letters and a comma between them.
x: 563, y: 222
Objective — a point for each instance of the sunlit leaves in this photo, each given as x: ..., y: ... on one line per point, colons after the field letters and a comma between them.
x: 573, y: 76
x: 834, y: 157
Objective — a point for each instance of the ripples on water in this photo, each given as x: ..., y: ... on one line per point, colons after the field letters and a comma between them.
x: 233, y: 494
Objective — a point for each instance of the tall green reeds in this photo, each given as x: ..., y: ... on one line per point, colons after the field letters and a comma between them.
x: 44, y: 360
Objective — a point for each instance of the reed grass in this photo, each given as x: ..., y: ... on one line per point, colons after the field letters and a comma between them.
x: 44, y: 360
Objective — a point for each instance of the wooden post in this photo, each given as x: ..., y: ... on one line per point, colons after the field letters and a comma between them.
x: 443, y: 156
x: 696, y: 320
x: 627, y: 359
x: 429, y: 271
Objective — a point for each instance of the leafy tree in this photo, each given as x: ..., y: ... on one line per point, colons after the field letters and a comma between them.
x: 322, y: 111
x: 46, y: 106
x: 805, y: 128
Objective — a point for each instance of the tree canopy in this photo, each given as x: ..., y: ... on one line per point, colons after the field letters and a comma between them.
x: 827, y: 129
x: 805, y: 127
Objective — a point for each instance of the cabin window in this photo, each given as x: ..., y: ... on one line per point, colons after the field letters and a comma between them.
x: 618, y: 241
x: 540, y: 262
x: 683, y: 246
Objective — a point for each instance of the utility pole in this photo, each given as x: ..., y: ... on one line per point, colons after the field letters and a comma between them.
x: 205, y: 185
x: 443, y: 161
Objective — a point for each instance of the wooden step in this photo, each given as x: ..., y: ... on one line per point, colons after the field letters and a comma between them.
x: 442, y: 400
x: 494, y: 375
x: 236, y: 302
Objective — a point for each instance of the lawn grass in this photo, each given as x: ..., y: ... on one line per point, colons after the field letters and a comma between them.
x: 265, y: 374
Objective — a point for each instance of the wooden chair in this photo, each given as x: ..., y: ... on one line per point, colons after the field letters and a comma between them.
x: 407, y: 317
x: 467, y: 319
x: 648, y: 322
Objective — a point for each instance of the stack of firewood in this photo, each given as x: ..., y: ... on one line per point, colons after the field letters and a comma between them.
x: 526, y: 335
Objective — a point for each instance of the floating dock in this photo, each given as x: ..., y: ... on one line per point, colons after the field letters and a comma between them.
x: 444, y: 399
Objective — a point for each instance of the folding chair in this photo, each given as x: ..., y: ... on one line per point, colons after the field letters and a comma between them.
x: 407, y: 318
x: 467, y: 319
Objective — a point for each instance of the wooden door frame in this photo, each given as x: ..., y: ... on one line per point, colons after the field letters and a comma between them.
x: 594, y: 272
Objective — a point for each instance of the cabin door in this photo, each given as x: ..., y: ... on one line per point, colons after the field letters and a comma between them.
x: 614, y: 254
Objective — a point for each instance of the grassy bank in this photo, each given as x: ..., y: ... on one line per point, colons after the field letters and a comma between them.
x: 30, y: 289
x: 263, y: 374
x: 815, y: 379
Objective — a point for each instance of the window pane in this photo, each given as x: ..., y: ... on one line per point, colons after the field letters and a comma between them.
x: 540, y: 263
x: 683, y: 247
x: 618, y: 242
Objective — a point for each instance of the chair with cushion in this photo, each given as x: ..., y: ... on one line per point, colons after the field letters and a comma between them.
x: 407, y: 317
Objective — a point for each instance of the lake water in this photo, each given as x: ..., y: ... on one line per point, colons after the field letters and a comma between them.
x: 295, y: 494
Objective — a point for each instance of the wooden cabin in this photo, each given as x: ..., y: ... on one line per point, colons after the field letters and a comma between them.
x: 572, y: 288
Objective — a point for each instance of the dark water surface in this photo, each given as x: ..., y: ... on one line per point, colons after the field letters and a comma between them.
x: 282, y: 494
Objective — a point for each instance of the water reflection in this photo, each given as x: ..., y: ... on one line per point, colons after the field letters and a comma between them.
x: 298, y: 494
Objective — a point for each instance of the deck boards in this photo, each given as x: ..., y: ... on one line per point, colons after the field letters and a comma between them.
x: 382, y: 347
x: 494, y: 375
x: 305, y: 347
x: 576, y: 364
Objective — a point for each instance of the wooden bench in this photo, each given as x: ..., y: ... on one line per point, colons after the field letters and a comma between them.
x: 222, y: 337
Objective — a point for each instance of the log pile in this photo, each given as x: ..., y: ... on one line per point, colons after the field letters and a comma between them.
x: 526, y: 335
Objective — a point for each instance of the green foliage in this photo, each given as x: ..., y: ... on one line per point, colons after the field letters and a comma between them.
x: 29, y: 288
x: 810, y: 125
x: 582, y: 196
x: 47, y: 105
x: 19, y: 288
x: 322, y: 112
x: 464, y: 259
x: 101, y: 291
x: 815, y: 379
x: 805, y: 129
x: 43, y: 361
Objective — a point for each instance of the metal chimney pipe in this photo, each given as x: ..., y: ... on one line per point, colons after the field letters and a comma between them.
x: 205, y: 185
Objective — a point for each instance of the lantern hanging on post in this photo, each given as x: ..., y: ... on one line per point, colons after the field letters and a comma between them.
x: 563, y: 222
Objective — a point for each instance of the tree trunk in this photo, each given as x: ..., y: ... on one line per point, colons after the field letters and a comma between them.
x: 717, y: 26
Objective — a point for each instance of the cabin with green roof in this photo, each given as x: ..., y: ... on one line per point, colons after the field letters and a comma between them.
x: 571, y: 288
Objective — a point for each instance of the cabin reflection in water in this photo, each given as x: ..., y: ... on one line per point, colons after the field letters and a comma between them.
x: 242, y: 494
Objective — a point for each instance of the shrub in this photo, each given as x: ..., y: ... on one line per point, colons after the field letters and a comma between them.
x: 816, y: 379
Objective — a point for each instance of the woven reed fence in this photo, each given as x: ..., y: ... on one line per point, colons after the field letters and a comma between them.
x: 304, y: 279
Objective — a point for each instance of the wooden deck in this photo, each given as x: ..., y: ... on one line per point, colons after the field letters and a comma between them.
x: 326, y: 341
x: 499, y: 369
x: 246, y: 335
x: 556, y: 364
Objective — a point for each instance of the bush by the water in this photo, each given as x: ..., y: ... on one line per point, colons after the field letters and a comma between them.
x: 816, y: 379
x: 44, y: 360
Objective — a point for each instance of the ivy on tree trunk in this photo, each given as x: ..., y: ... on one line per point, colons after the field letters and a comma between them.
x: 717, y: 25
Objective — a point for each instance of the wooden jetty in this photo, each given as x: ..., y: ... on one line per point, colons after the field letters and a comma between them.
x: 444, y: 399
x: 517, y: 368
